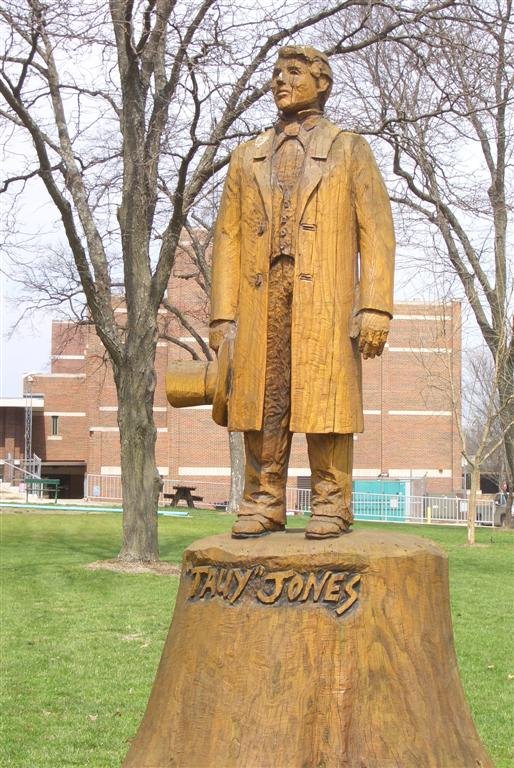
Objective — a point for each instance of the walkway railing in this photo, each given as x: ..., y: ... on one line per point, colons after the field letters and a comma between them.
x: 16, y: 473
x: 366, y: 506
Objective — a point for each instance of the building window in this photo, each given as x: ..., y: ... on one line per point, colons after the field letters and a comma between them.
x: 55, y: 425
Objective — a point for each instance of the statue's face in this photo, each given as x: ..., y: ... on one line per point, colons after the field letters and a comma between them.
x: 293, y: 87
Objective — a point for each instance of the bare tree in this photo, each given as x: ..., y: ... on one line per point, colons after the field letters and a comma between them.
x: 125, y: 112
x: 472, y: 396
x: 482, y: 411
x: 484, y: 438
x: 443, y: 103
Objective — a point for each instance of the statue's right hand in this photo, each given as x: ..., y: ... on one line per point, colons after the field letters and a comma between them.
x: 217, y: 332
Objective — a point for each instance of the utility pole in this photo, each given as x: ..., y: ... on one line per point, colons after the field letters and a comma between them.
x: 28, y: 424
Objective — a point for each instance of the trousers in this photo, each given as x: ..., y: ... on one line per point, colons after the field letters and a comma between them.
x: 267, y: 450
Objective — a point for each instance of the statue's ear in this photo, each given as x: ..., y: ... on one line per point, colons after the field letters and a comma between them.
x: 323, y: 83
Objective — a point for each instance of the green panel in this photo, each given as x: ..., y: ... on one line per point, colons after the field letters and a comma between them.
x: 379, y: 500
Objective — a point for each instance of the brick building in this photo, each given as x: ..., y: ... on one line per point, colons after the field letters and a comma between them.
x: 410, y: 433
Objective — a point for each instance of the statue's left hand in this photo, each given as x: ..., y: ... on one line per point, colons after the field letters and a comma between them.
x: 373, y: 334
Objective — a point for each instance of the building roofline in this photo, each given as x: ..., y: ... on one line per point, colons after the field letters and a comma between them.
x: 38, y: 403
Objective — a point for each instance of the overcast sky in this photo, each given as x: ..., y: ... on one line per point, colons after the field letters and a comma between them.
x: 27, y: 350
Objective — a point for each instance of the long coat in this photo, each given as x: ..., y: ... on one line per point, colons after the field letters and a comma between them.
x: 343, y: 241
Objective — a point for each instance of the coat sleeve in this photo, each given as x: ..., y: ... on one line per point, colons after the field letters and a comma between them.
x: 375, y: 231
x: 226, y: 254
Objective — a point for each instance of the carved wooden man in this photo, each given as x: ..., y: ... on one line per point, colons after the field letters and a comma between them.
x: 303, y: 268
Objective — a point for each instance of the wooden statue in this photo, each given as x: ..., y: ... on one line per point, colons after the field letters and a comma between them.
x: 303, y: 266
x: 289, y: 652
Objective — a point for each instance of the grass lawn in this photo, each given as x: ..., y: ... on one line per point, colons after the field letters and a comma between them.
x: 80, y: 648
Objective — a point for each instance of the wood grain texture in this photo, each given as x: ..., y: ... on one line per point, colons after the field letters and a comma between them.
x: 290, y: 653
x: 342, y: 227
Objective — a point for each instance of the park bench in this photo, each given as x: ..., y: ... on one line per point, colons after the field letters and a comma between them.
x: 44, y: 485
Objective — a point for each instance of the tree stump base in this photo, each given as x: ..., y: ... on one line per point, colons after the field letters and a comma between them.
x: 290, y: 653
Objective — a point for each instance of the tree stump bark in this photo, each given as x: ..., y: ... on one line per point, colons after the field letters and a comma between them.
x: 290, y: 653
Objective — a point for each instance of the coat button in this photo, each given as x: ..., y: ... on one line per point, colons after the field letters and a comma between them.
x: 261, y: 229
x: 258, y: 280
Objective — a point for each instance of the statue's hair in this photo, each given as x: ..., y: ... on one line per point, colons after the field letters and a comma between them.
x: 318, y: 64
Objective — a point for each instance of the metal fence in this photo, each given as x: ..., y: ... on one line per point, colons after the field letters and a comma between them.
x: 386, y: 507
x: 108, y: 488
x: 420, y: 509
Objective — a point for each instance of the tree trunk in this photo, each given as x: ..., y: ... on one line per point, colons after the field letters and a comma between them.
x: 237, y: 470
x: 139, y: 476
x: 336, y: 654
x: 507, y: 417
x: 472, y: 502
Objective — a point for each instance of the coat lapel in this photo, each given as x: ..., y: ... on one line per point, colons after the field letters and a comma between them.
x: 262, y: 167
x: 317, y: 153
x: 319, y: 147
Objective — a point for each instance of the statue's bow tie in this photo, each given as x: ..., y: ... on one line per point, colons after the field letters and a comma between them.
x: 290, y: 129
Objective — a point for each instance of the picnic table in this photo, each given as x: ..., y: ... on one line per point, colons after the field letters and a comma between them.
x: 185, y: 493
x: 42, y: 484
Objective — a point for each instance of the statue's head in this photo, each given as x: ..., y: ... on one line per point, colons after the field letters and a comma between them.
x: 302, y: 79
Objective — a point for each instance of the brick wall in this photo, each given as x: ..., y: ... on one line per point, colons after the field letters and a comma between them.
x: 12, y: 432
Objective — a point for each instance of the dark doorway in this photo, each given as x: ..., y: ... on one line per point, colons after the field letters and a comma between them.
x: 70, y: 476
